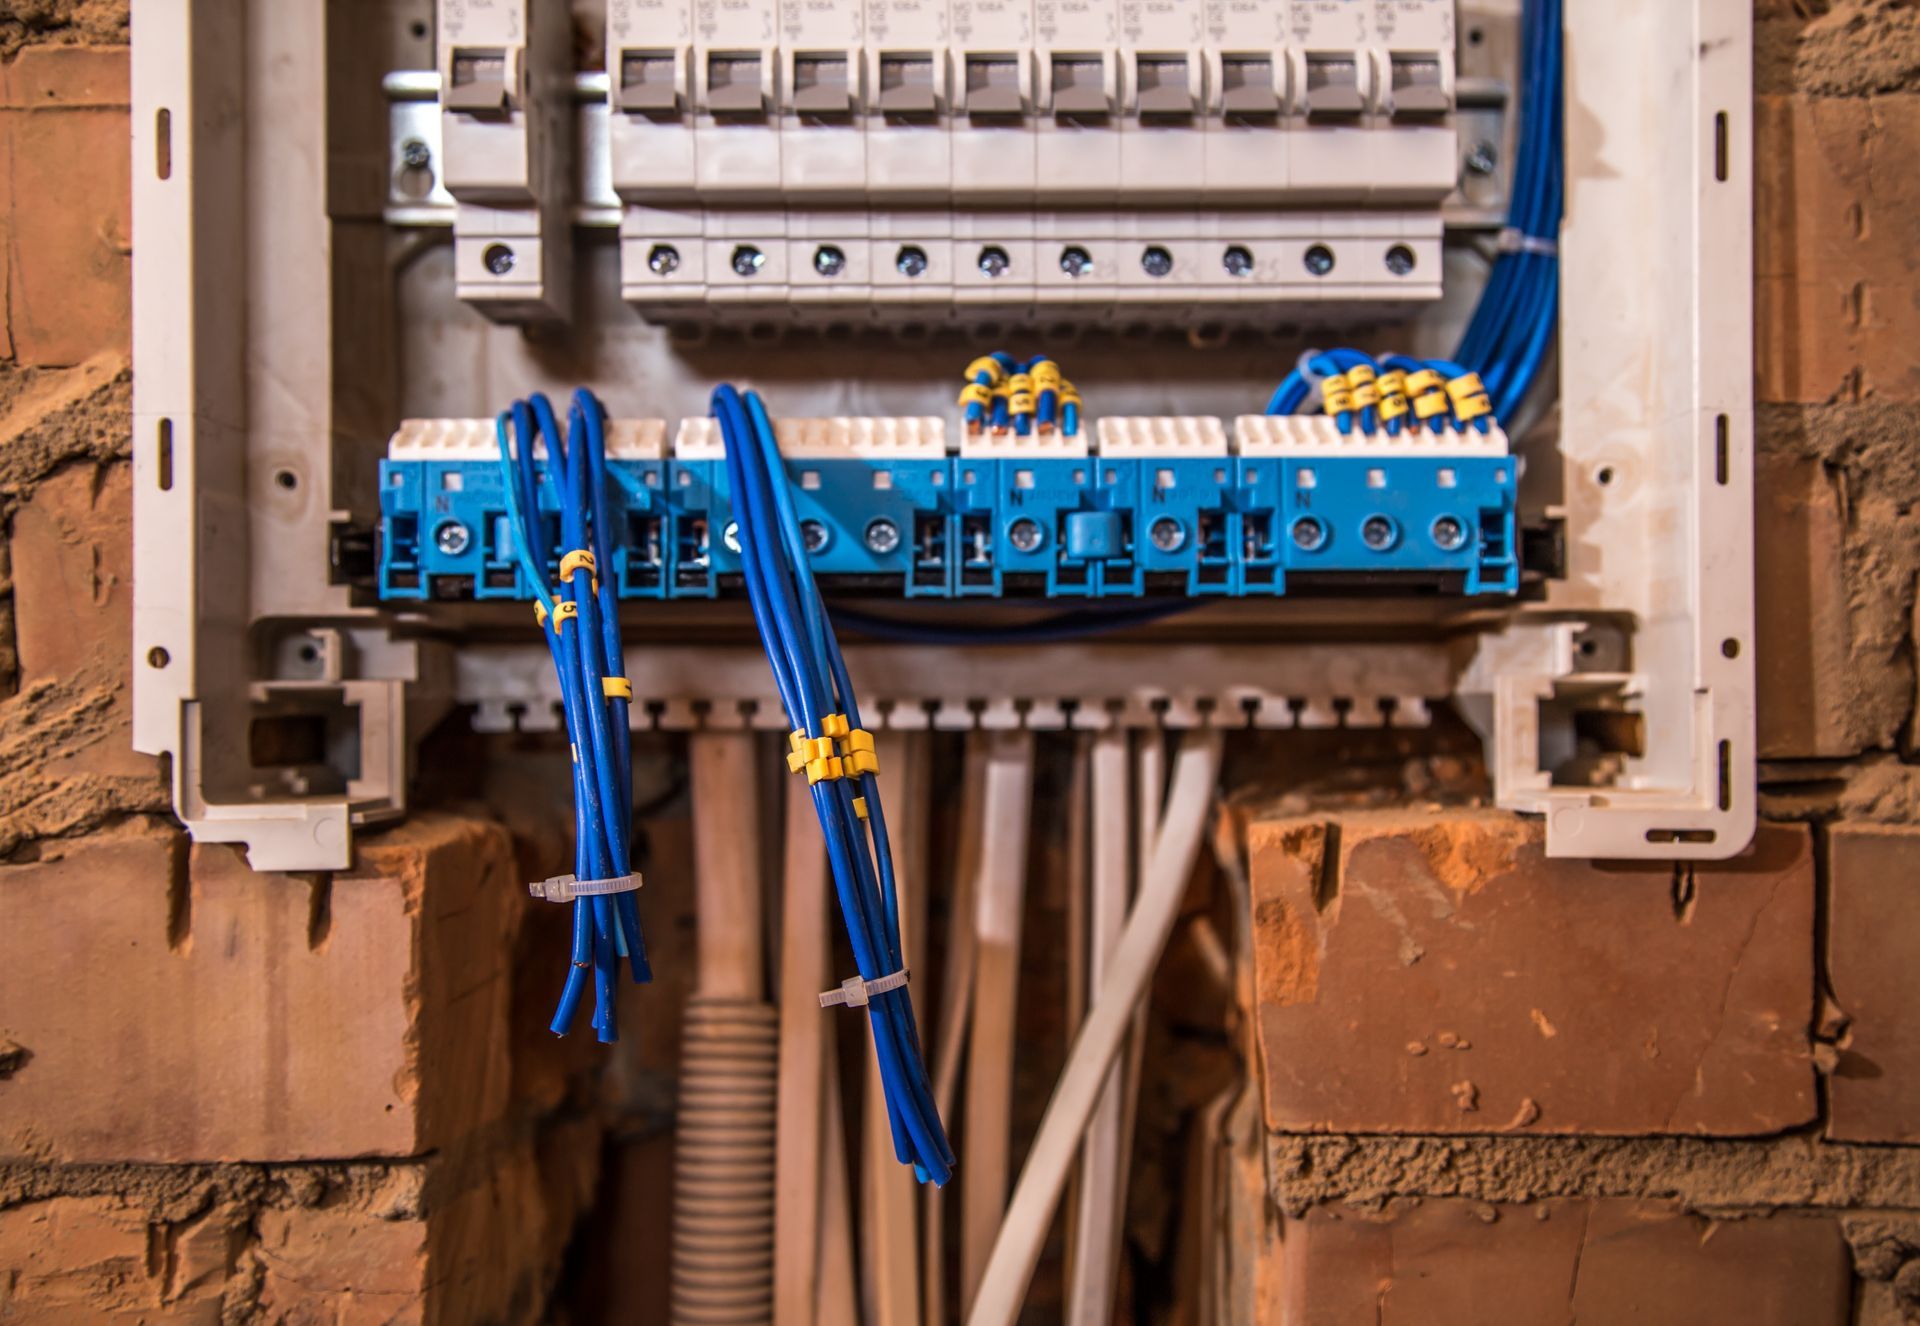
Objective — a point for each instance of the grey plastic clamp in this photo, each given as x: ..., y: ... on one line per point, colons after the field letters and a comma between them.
x: 856, y: 993
x: 565, y: 888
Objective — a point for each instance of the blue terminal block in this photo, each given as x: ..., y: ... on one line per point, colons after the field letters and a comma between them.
x: 1154, y: 506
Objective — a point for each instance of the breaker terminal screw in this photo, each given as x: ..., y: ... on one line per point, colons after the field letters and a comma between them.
x: 1482, y: 158
x: 1025, y: 535
x: 883, y: 536
x: 1319, y: 260
x: 1156, y: 261
x: 498, y: 259
x: 1075, y: 261
x: 1400, y: 260
x: 910, y: 261
x: 452, y: 538
x: 415, y: 154
x: 1238, y: 260
x: 994, y: 262
x: 748, y: 260
x: 663, y: 259
x: 828, y: 260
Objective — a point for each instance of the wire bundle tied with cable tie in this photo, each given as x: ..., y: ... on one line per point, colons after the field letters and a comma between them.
x: 832, y: 747
x: 579, y: 618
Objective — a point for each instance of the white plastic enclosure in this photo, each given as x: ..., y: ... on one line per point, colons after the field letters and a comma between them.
x: 284, y: 325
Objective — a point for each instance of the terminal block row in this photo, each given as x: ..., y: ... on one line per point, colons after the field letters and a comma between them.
x: 1153, y: 506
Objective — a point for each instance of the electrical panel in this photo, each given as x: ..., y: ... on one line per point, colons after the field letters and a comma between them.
x: 360, y: 233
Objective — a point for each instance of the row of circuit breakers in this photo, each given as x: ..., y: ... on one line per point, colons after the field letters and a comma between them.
x: 1173, y: 505
x: 1048, y: 155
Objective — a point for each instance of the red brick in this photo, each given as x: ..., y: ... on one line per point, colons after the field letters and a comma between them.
x: 253, y: 1023
x: 1802, y: 664
x: 1459, y: 1263
x: 1441, y: 975
x: 1835, y: 263
x: 73, y: 1259
x: 66, y: 221
x: 1873, y: 966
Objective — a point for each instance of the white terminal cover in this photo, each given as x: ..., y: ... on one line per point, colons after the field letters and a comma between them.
x: 1056, y: 445
x: 476, y: 439
x: 1162, y: 437
x: 1291, y: 436
x: 913, y: 437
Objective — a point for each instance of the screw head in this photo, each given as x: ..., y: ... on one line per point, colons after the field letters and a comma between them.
x: 882, y: 537
x: 829, y: 260
x: 1075, y: 261
x: 731, y: 536
x: 1026, y: 535
x: 1482, y: 158
x: 1400, y: 260
x: 1156, y: 261
x: 814, y: 536
x: 1237, y: 260
x: 1308, y: 533
x: 1167, y: 534
x: 993, y: 262
x: 663, y: 260
x: 1319, y: 260
x: 452, y: 538
x: 1449, y: 535
x: 498, y: 258
x: 1379, y: 532
x: 415, y: 154
x: 747, y: 260
x: 911, y: 261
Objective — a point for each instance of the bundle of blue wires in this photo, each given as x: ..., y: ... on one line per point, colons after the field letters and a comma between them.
x: 579, y: 617
x: 812, y: 679
x: 1507, y: 340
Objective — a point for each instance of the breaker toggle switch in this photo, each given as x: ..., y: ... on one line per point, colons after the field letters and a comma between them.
x: 1418, y: 87
x: 651, y: 83
x: 1334, y: 88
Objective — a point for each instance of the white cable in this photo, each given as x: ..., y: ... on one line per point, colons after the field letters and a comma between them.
x: 1024, y: 1230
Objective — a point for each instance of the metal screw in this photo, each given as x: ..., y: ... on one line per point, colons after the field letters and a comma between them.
x: 1075, y: 261
x: 731, y: 536
x: 748, y: 260
x: 883, y: 536
x: 498, y: 258
x: 1025, y: 535
x: 1156, y: 261
x: 1449, y: 534
x: 911, y: 261
x: 415, y: 154
x: 663, y: 259
x: 1378, y: 533
x: 452, y: 538
x: 1308, y: 533
x: 829, y: 260
x: 1167, y: 534
x: 1319, y: 260
x: 994, y: 262
x: 1238, y: 260
x: 814, y: 535
x: 1482, y: 158
x: 1400, y: 260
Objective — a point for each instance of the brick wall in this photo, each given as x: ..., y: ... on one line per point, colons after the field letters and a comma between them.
x: 1498, y: 1087
x: 223, y: 1097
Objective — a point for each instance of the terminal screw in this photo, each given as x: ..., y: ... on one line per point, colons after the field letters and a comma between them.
x: 911, y: 261
x: 452, y: 538
x: 1449, y: 535
x: 1308, y: 533
x: 1167, y: 534
x: 498, y: 258
x: 1482, y: 158
x: 883, y: 536
x: 829, y: 260
x: 1400, y: 260
x: 1156, y: 261
x: 1238, y: 260
x: 1075, y: 261
x: 415, y: 154
x: 663, y: 260
x: 1378, y: 533
x: 1025, y: 535
x: 994, y: 262
x: 814, y: 535
x: 748, y: 260
x: 1319, y: 260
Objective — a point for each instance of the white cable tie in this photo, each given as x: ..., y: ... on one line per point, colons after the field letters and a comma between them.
x: 565, y: 888
x: 856, y: 993
x: 1514, y: 240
